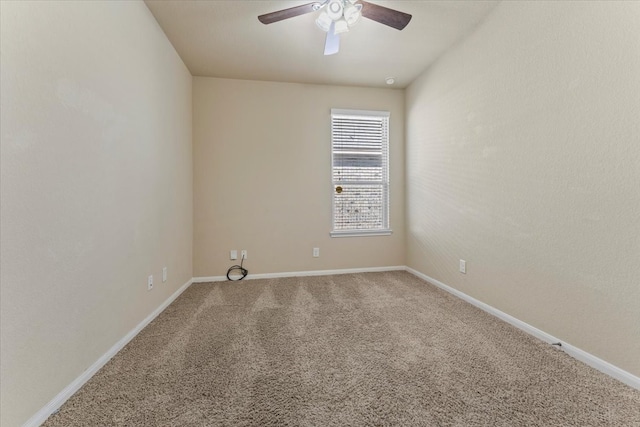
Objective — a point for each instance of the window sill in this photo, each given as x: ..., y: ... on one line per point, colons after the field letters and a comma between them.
x: 361, y: 233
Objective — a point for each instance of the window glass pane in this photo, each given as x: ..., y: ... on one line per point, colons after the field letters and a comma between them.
x: 359, y: 207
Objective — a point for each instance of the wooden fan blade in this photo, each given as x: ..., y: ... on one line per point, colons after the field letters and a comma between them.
x: 270, y: 18
x: 384, y: 15
x: 332, y: 42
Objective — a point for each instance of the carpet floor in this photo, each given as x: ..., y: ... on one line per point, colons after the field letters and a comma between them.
x: 372, y: 349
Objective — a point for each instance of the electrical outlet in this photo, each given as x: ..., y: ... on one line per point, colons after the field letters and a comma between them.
x: 243, y: 254
x: 150, y: 282
x: 164, y: 274
x: 316, y: 252
x: 463, y: 266
x: 233, y: 254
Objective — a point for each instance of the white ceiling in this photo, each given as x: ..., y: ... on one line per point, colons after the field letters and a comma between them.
x: 220, y: 38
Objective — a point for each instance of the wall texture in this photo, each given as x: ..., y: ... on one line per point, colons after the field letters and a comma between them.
x: 96, y: 184
x: 523, y: 158
x: 262, y: 181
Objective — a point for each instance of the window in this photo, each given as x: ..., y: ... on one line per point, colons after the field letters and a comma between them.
x: 360, y: 172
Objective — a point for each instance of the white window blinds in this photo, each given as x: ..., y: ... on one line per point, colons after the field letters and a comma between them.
x: 360, y: 172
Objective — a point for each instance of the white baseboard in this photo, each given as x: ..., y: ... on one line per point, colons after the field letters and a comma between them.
x: 303, y: 273
x: 581, y: 355
x: 44, y: 413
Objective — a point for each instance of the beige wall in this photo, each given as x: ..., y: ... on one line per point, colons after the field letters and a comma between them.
x: 262, y: 180
x: 96, y: 184
x: 523, y: 158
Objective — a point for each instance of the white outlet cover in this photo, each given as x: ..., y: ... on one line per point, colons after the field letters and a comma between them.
x: 164, y: 274
x: 150, y: 282
x: 316, y: 252
x: 233, y: 254
x: 463, y: 266
x: 243, y: 254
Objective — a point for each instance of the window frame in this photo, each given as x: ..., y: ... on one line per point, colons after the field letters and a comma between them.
x: 385, y: 229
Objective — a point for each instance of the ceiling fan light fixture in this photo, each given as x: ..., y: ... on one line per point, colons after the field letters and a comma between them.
x: 341, y: 26
x: 352, y: 13
x: 334, y: 9
x: 324, y: 22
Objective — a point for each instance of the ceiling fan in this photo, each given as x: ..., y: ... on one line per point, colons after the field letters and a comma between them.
x: 338, y: 16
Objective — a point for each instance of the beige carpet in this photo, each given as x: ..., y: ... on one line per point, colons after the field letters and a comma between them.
x: 374, y: 349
